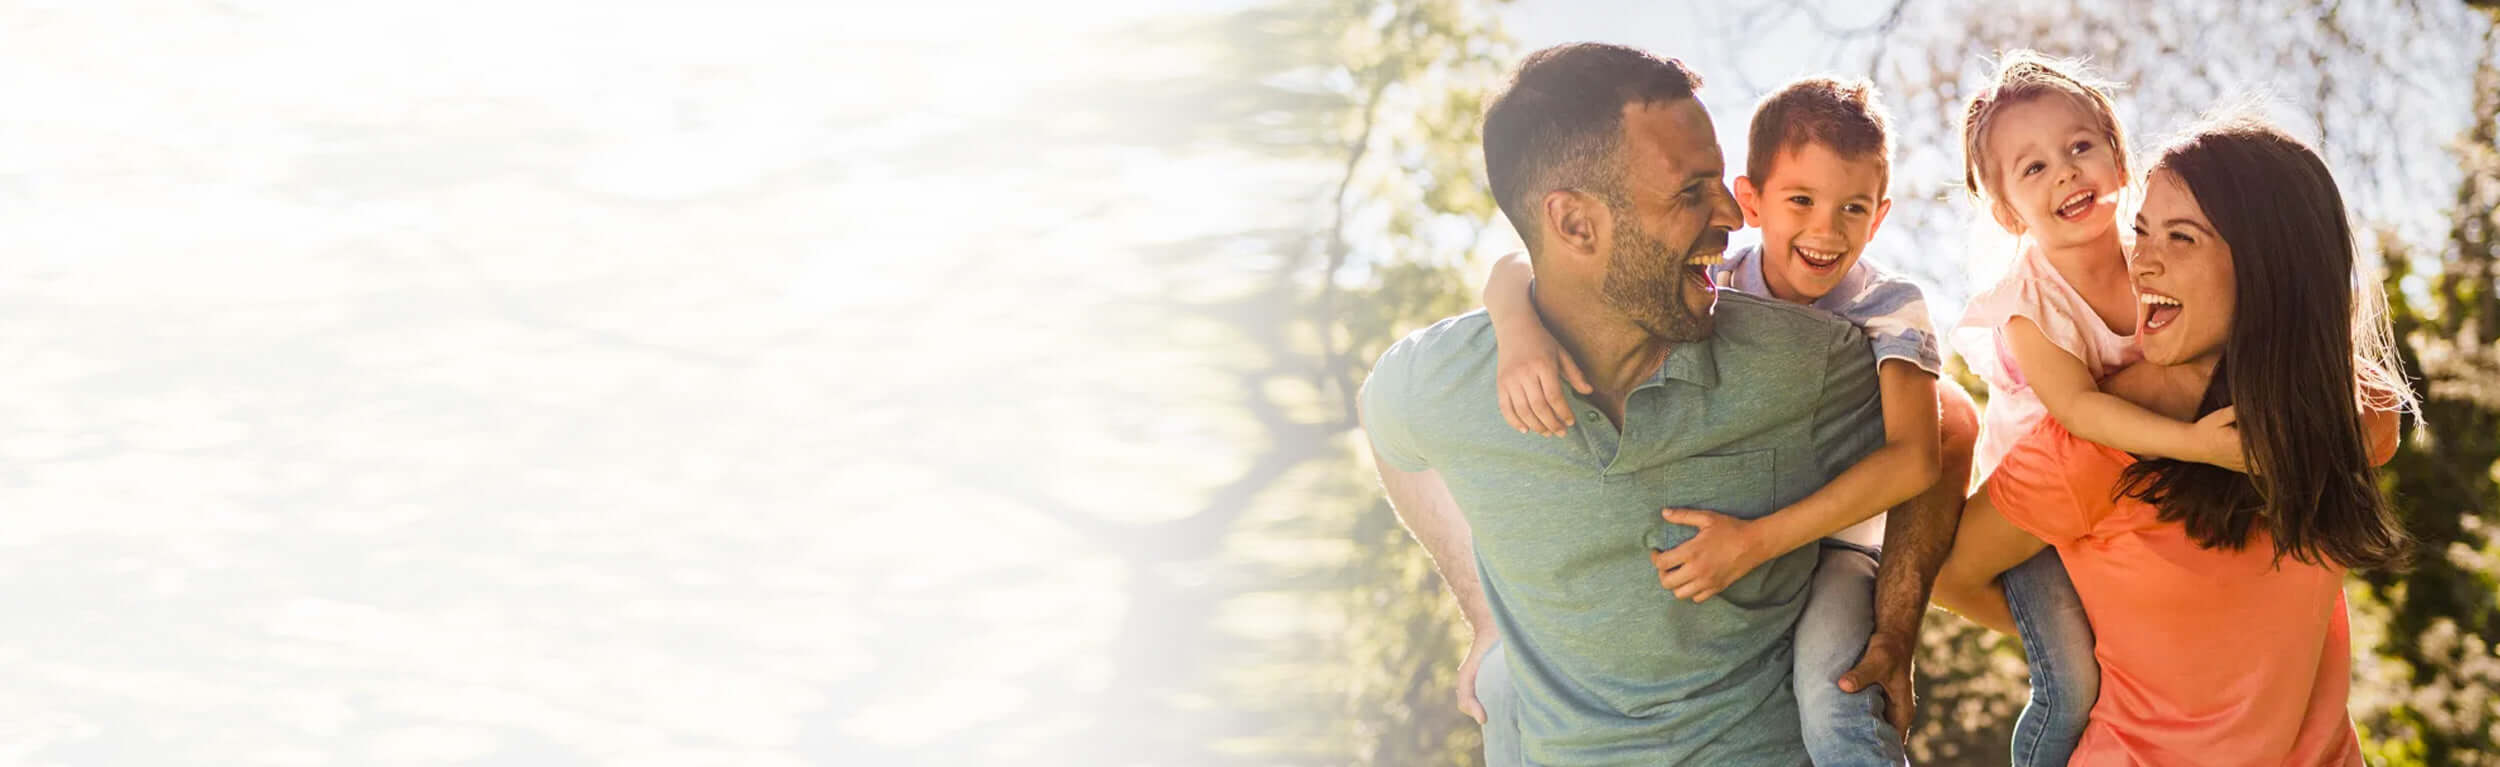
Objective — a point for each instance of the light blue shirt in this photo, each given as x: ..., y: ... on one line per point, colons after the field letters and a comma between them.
x: 1891, y: 309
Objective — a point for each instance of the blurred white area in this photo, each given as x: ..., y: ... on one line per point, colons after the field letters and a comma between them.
x: 571, y: 383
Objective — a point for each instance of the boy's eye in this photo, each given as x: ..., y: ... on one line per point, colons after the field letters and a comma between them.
x: 1800, y: 200
x: 1854, y: 208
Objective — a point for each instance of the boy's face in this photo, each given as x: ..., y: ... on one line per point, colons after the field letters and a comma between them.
x: 2057, y: 177
x: 1817, y: 210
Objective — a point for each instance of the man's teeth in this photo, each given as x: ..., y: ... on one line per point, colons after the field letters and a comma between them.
x: 1707, y: 259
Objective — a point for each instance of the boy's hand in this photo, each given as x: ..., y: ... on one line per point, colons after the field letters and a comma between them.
x: 2218, y: 440
x: 1722, y: 549
x: 1533, y: 368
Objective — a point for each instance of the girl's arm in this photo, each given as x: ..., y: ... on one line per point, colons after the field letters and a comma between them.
x: 2071, y: 395
x: 1986, y: 546
x: 1725, y: 548
x: 1532, y: 366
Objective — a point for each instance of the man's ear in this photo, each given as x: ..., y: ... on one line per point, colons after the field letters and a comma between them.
x: 1747, y: 199
x: 2005, y: 217
x: 1572, y: 221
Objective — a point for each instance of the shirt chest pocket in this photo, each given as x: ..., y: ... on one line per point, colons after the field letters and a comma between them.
x: 1735, y: 484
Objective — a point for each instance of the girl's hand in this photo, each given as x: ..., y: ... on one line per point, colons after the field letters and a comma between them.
x: 1723, y: 550
x: 1531, y: 372
x: 2218, y: 440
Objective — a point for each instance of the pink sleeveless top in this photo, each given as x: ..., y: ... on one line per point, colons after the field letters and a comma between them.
x: 2031, y: 289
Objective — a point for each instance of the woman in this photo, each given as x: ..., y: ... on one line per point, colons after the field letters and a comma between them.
x: 2217, y: 596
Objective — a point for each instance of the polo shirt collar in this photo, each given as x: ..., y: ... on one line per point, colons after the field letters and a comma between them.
x: 1693, y: 362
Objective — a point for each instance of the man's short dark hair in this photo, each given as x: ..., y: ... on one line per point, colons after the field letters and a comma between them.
x: 1559, y: 122
x: 1842, y: 115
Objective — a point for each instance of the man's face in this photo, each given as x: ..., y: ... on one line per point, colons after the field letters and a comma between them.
x: 1676, y: 222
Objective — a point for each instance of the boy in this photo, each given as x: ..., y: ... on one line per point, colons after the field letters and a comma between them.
x: 1817, y: 166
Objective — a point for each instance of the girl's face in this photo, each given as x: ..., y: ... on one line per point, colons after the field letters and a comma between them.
x: 2057, y: 177
x: 2185, y: 293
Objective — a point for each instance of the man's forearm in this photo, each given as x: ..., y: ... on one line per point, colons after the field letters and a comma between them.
x: 1424, y: 505
x: 1916, y: 540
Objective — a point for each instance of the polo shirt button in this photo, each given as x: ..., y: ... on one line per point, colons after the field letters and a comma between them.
x: 1591, y: 414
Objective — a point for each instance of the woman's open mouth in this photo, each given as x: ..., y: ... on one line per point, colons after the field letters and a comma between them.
x: 2077, y: 205
x: 2159, y: 310
x: 1818, y: 260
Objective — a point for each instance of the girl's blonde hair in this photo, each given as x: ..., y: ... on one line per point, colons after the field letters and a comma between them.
x: 2023, y: 76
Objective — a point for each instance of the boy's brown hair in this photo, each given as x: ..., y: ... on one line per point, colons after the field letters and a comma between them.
x: 2022, y: 76
x: 1842, y: 115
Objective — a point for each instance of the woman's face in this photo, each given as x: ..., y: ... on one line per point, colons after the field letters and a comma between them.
x: 2184, y: 290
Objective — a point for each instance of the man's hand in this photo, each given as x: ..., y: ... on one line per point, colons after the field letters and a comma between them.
x: 1886, y: 664
x: 1467, y: 703
x: 1722, y: 549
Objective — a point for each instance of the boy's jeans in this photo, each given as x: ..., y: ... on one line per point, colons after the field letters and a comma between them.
x: 2065, y: 679
x: 1841, y: 728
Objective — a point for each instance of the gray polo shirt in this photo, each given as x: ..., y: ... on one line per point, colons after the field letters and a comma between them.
x: 1610, y: 669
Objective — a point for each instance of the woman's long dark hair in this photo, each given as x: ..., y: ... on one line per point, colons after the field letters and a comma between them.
x: 2287, y: 363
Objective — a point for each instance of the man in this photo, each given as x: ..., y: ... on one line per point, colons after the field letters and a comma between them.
x: 1606, y: 163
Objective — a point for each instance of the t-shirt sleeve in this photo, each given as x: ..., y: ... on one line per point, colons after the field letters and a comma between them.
x: 1849, y: 413
x: 2055, y: 485
x: 1386, y: 409
x: 1894, y: 313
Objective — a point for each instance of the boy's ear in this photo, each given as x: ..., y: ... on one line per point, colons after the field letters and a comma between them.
x: 1883, y: 207
x: 1748, y: 198
x: 1572, y: 221
x: 2005, y: 217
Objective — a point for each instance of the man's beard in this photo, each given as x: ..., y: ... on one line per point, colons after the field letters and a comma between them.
x: 1646, y: 283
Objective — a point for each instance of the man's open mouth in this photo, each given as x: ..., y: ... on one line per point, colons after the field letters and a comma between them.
x: 1820, y: 260
x: 2159, y: 310
x: 1697, y: 268
x: 2077, y: 204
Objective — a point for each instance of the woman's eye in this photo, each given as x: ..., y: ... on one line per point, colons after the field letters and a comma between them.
x: 2181, y: 238
x: 2139, y: 232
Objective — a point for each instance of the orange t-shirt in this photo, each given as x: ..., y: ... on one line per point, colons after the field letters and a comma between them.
x: 2208, y: 656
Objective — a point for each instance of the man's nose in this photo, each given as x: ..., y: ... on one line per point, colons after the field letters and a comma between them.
x: 1723, y: 211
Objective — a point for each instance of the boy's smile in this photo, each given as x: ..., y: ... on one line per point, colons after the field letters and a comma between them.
x: 1816, y: 209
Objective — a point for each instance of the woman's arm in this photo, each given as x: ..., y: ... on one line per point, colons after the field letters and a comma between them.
x: 2066, y: 388
x: 1986, y: 546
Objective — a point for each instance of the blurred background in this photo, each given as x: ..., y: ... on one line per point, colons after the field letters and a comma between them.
x: 946, y: 383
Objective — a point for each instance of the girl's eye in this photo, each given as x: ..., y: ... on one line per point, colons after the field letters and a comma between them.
x: 2033, y: 168
x: 2082, y: 147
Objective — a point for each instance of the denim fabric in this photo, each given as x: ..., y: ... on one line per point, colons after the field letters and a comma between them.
x: 1841, y: 728
x: 2065, y: 679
